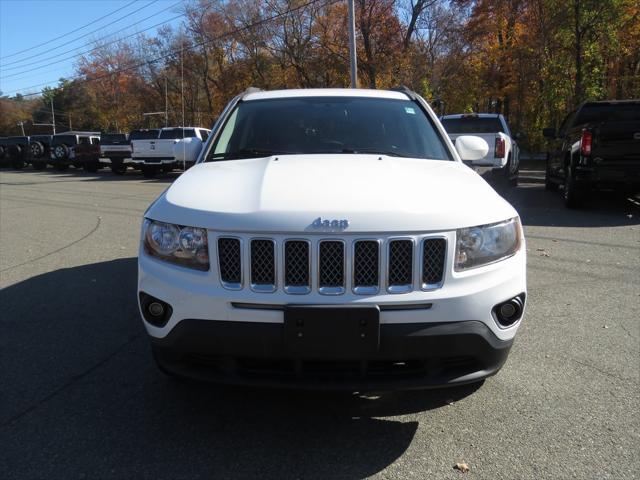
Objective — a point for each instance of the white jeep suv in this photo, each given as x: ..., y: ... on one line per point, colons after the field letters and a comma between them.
x: 332, y: 239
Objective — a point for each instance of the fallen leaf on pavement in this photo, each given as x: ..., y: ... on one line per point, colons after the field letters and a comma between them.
x: 462, y: 466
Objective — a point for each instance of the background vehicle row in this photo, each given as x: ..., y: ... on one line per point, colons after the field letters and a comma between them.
x: 156, y: 150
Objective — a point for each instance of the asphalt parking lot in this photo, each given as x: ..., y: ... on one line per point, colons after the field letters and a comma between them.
x: 80, y: 396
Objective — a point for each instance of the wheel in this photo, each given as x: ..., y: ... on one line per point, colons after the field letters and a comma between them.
x: 91, y: 167
x: 18, y: 164
x: 549, y: 184
x: 573, y: 197
x: 39, y: 165
x: 149, y: 171
x: 61, y: 152
x: 37, y: 149
x: 514, y: 176
x: 118, y: 167
x: 62, y: 167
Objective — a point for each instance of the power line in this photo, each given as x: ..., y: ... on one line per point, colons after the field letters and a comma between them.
x: 82, y: 36
x: 174, y: 51
x: 17, y: 74
x: 69, y: 33
x: 95, y: 41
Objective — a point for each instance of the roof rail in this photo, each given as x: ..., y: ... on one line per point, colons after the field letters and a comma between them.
x: 406, y: 90
x: 248, y: 91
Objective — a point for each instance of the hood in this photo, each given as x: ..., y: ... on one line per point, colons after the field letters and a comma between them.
x: 373, y: 193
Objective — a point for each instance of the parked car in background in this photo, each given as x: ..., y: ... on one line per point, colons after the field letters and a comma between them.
x: 504, y: 154
x: 174, y: 147
x: 332, y: 238
x: 40, y: 151
x: 4, y: 151
x: 115, y: 149
x: 18, y: 151
x: 80, y: 149
x: 596, y: 147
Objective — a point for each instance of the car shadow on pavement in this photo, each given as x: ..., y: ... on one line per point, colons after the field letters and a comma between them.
x: 80, y: 395
x: 103, y: 175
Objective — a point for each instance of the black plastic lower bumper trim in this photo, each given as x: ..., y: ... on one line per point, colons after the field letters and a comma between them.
x: 410, y: 356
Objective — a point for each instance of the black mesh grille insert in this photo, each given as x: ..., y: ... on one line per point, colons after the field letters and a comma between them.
x: 365, y: 264
x: 433, y: 260
x: 229, y: 260
x: 296, y: 263
x: 331, y: 264
x: 262, y: 262
x: 400, y: 262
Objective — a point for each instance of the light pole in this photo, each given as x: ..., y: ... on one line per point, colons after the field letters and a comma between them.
x: 353, y: 57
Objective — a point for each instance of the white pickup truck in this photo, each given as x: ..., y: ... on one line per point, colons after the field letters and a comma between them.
x: 174, y: 147
x: 503, y: 156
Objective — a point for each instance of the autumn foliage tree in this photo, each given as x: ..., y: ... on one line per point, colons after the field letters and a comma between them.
x: 533, y: 60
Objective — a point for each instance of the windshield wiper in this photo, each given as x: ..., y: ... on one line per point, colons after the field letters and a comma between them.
x: 374, y: 151
x: 250, y: 153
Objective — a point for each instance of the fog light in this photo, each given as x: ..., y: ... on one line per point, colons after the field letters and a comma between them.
x: 509, y: 312
x: 154, y: 310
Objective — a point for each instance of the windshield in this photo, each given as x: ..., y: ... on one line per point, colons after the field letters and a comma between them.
x: 143, y: 135
x: 313, y: 125
x: 176, y: 133
x: 472, y: 125
x: 114, y: 138
x: 608, y: 112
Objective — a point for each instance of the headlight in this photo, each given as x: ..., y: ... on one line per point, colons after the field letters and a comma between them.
x: 186, y: 246
x: 485, y: 244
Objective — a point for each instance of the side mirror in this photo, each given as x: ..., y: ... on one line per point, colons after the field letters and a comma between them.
x: 471, y: 148
x: 549, y: 132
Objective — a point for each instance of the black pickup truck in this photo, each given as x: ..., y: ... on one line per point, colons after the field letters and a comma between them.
x: 596, y: 147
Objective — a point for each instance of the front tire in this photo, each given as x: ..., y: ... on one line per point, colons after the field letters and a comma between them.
x: 91, y: 167
x: 118, y: 167
x: 549, y: 184
x: 18, y: 164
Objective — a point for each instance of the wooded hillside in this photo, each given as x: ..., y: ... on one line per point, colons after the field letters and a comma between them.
x: 532, y: 60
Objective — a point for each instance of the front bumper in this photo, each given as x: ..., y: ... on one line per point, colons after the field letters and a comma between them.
x: 430, y: 338
x: 410, y: 356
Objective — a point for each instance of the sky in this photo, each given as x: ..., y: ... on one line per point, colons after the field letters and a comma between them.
x: 34, y: 25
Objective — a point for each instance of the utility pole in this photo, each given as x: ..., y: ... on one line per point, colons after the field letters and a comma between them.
x: 53, y: 116
x: 353, y: 57
x: 166, y: 102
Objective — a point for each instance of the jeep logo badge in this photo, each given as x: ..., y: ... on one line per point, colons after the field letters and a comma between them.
x: 330, y: 224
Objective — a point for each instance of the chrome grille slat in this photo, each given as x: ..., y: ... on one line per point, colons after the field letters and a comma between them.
x: 330, y: 266
x: 230, y: 262
x: 400, y: 266
x: 297, y: 266
x: 366, y: 267
x: 263, y: 265
x: 331, y: 270
x: 433, y: 260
